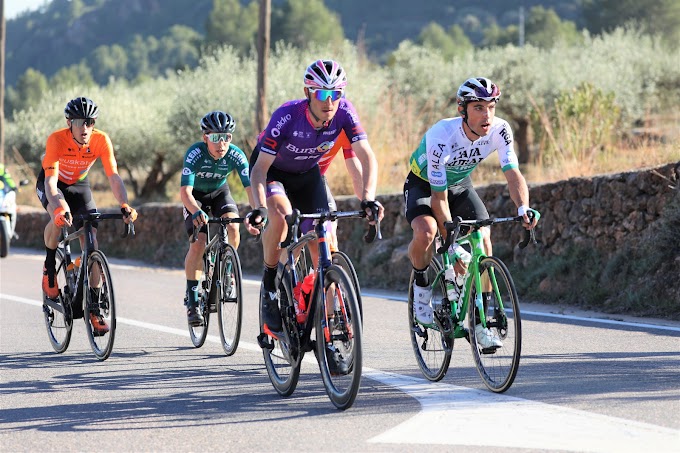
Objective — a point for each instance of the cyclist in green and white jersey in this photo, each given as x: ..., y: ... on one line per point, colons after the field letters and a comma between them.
x: 204, y: 187
x: 439, y: 185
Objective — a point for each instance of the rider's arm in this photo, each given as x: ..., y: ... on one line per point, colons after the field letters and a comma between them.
x: 188, y: 200
x: 354, y: 169
x: 369, y: 166
x: 258, y: 179
x: 519, y: 191
x: 249, y: 192
x: 440, y: 209
x: 54, y: 196
x: 118, y: 188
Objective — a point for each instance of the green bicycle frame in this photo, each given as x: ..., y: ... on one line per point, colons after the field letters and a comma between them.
x: 459, y: 307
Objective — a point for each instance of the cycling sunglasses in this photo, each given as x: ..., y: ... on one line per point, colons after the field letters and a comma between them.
x: 322, y: 95
x: 80, y: 122
x: 216, y: 137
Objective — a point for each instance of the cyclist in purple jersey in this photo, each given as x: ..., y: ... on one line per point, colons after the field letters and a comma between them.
x: 285, y: 172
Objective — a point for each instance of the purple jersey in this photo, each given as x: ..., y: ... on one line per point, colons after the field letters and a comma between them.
x: 297, y: 145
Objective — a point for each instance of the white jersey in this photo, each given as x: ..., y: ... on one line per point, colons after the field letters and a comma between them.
x: 446, y: 155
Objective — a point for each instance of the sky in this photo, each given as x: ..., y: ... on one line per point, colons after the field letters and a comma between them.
x: 14, y: 7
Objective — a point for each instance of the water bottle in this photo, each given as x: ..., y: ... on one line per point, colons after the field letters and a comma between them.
x: 458, y: 252
x: 452, y: 291
x: 302, y: 293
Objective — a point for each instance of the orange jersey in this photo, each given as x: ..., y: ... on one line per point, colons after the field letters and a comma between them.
x: 71, y: 162
x: 342, y: 142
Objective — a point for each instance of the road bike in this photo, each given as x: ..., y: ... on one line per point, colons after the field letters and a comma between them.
x: 331, y: 311
x: 487, y: 296
x: 84, y: 290
x: 220, y: 292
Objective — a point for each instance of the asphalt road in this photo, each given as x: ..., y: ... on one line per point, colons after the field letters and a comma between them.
x: 585, y: 383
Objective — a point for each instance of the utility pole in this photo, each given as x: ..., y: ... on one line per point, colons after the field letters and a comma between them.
x: 2, y: 81
x: 263, y: 39
x: 521, y: 26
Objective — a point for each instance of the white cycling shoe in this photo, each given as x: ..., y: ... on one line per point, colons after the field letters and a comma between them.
x: 487, y: 339
x: 421, y: 304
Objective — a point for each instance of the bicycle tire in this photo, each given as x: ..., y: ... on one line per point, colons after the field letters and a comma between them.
x: 100, y: 301
x: 283, y: 362
x: 229, y: 299
x: 199, y: 333
x: 498, y: 368
x: 342, y: 259
x: 342, y: 334
x: 59, y: 324
x: 431, y: 346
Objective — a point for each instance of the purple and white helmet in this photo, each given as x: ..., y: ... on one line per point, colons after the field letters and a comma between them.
x: 325, y: 75
x: 477, y: 89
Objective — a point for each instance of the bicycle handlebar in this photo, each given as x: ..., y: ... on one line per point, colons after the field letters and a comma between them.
x: 221, y: 220
x: 293, y: 222
x: 453, y: 229
x: 129, y: 228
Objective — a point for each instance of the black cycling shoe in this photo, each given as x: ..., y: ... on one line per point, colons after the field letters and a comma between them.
x: 271, y: 316
x: 194, y: 317
x: 337, y: 365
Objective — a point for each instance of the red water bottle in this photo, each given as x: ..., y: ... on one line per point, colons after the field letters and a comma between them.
x: 302, y: 294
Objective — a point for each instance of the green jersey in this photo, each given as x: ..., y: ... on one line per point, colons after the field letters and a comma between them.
x: 204, y: 173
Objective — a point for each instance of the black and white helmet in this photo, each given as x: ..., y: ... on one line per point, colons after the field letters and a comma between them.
x: 477, y: 89
x: 81, y: 108
x: 217, y: 122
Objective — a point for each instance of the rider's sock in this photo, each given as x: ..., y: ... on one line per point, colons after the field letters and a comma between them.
x: 192, y: 292
x: 50, y: 259
x: 269, y: 279
x: 421, y: 277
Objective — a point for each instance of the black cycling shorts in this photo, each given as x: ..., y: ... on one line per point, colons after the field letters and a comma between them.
x: 217, y: 202
x: 306, y: 191
x: 463, y: 199
x: 78, y: 196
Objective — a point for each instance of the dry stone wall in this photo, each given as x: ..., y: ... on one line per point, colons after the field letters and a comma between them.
x: 603, y: 212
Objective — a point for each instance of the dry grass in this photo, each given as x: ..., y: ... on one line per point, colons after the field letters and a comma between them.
x: 657, y: 143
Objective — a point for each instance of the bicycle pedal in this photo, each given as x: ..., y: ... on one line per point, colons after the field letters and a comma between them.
x: 491, y: 350
x: 262, y: 340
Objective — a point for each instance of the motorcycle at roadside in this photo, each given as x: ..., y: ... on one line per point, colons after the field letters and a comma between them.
x: 8, y: 215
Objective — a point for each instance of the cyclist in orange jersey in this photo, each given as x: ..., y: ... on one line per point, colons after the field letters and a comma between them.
x: 63, y: 186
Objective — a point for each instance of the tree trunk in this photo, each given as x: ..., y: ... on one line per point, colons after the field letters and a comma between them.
x: 523, y: 140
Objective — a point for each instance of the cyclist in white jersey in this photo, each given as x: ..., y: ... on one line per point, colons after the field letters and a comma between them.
x: 439, y: 187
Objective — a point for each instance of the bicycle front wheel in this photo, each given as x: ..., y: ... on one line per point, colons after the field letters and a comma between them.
x: 229, y: 299
x: 431, y: 346
x: 341, y: 259
x: 100, y: 306
x: 58, y: 316
x: 282, y: 357
x: 338, y: 337
x: 497, y: 366
x: 199, y: 333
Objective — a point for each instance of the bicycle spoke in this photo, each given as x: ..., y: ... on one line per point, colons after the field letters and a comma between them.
x: 498, y: 366
x: 58, y: 319
x: 100, y: 307
x: 431, y: 347
x: 339, y: 337
x: 229, y: 299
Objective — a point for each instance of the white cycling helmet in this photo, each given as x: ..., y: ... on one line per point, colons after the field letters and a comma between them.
x: 477, y: 89
x: 325, y: 75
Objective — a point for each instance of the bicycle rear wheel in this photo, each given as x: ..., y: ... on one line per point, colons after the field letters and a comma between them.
x: 431, y: 346
x: 498, y: 366
x: 100, y: 306
x: 284, y: 359
x: 341, y: 259
x: 338, y: 337
x: 199, y: 333
x: 229, y: 299
x: 58, y: 318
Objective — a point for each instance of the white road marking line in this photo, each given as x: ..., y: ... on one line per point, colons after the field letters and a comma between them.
x: 453, y: 415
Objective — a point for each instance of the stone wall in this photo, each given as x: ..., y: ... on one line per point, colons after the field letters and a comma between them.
x: 603, y: 212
